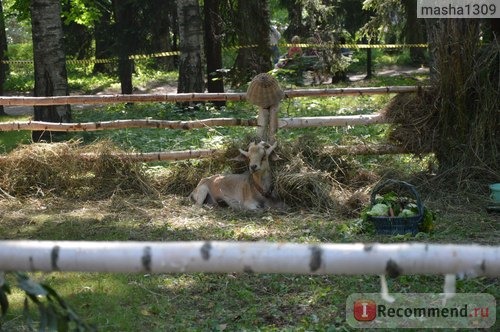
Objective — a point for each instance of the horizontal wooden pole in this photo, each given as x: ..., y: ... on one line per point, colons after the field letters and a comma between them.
x: 351, y: 91
x: 284, y: 123
x: 250, y: 257
x: 367, y: 149
x: 159, y: 156
x: 337, y: 150
x: 119, y: 98
x: 184, y: 97
x: 122, y: 124
x: 325, y: 121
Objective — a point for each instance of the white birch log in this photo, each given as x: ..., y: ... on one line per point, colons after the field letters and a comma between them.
x: 367, y: 149
x: 324, y: 121
x: 257, y: 257
x: 182, y: 97
x: 283, y: 123
x: 158, y: 156
x: 338, y: 150
x: 121, y: 124
x: 351, y: 91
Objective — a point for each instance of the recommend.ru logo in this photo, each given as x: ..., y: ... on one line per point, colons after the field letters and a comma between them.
x: 421, y: 310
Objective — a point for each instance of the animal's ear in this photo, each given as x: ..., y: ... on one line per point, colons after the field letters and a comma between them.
x: 244, y: 153
x: 243, y: 156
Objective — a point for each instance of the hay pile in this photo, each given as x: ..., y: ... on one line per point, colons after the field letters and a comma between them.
x: 304, y: 178
x: 303, y: 187
x: 58, y: 169
x: 182, y: 177
x: 414, y: 120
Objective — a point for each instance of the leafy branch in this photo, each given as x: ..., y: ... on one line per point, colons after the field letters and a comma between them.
x: 54, y: 313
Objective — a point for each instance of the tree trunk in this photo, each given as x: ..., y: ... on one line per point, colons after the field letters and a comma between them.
x: 50, y: 62
x: 414, y: 32
x: 124, y: 15
x: 3, y: 50
x: 213, y: 47
x: 468, y: 98
x: 191, y: 47
x: 369, y: 71
x: 161, y: 34
x: 295, y: 27
x: 253, y: 30
x: 103, y: 41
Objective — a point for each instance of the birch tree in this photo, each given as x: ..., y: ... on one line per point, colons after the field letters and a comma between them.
x: 191, y: 47
x: 3, y: 49
x: 50, y: 61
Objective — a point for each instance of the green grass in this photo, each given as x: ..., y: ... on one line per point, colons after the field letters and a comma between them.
x: 380, y: 58
x: 200, y: 302
x: 9, y: 140
x: 226, y: 302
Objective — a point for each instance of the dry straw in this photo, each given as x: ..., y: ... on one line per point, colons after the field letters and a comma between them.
x: 304, y: 179
x: 58, y: 169
x: 414, y: 121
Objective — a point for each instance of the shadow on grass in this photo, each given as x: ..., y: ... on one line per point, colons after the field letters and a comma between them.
x: 198, y: 301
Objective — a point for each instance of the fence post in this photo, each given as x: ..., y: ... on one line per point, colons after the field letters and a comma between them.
x: 264, y: 91
x: 273, y: 123
x: 267, y: 122
x: 263, y: 123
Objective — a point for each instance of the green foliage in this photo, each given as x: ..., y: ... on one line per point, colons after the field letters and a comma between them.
x: 19, y: 8
x: 388, y: 22
x: 54, y: 314
x: 234, y: 302
x: 83, y: 12
x: 22, y: 51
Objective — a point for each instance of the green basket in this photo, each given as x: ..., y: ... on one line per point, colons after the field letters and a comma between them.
x: 397, y: 225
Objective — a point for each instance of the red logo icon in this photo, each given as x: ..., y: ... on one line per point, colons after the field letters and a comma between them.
x: 365, y: 310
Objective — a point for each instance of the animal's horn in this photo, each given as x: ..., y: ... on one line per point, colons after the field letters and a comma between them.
x: 271, y: 148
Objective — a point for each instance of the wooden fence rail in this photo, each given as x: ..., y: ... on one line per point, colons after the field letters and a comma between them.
x: 251, y: 257
x: 299, y: 122
x: 333, y: 150
x: 284, y: 123
x: 185, y: 97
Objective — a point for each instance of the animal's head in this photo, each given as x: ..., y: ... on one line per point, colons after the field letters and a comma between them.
x: 258, y: 155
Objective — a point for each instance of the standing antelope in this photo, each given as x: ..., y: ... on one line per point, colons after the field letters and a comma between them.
x: 251, y: 190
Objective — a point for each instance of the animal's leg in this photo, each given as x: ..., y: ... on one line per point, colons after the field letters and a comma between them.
x: 254, y: 205
x: 199, y: 194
